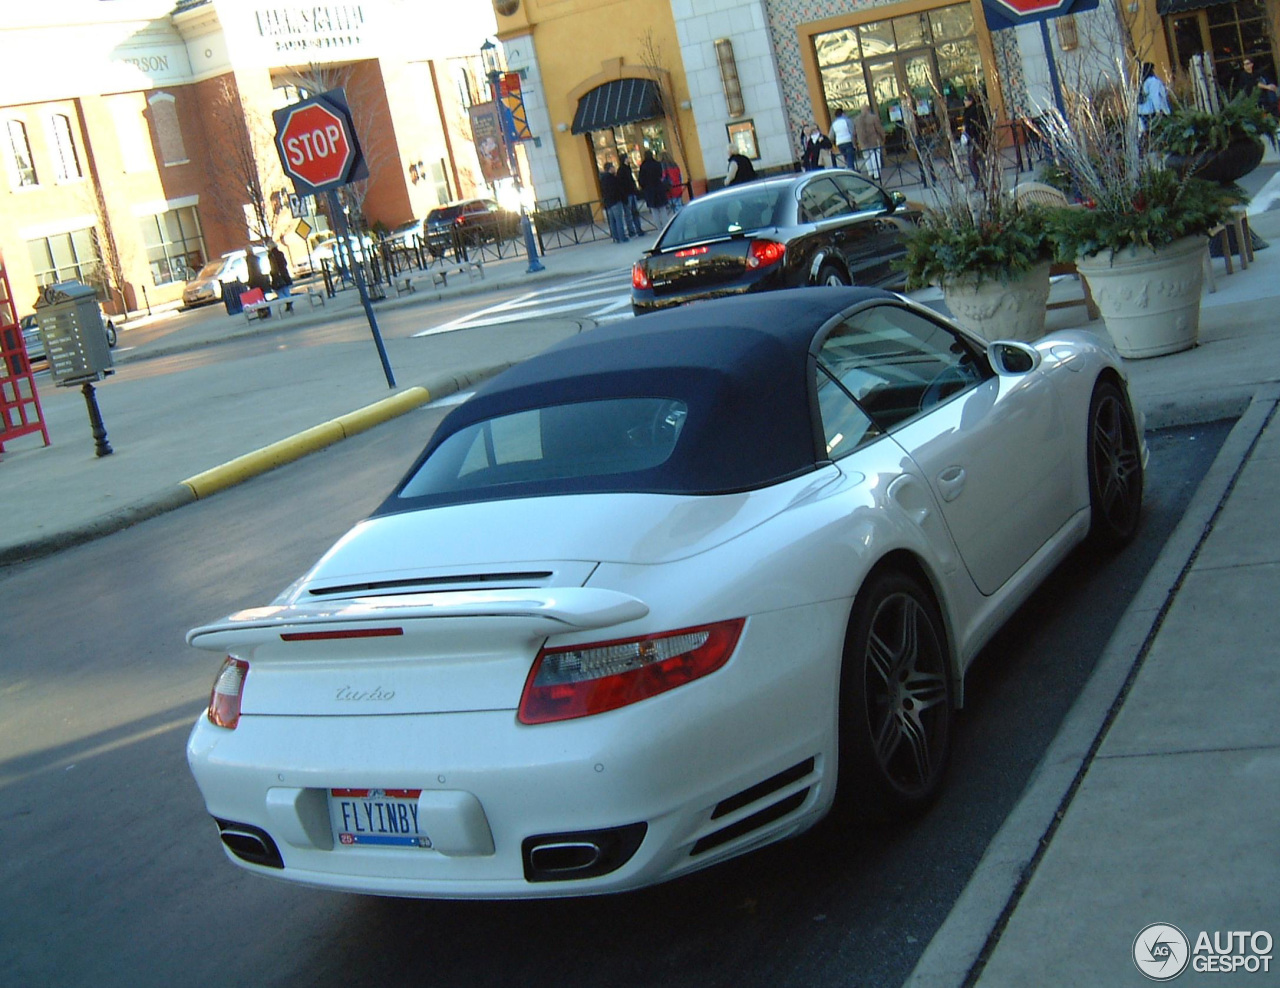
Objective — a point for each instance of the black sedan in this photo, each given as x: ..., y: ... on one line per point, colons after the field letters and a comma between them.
x: 831, y: 227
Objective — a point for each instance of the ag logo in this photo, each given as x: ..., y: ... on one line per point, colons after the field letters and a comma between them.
x: 1161, y: 951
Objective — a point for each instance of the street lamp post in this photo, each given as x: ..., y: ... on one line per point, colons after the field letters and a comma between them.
x: 489, y: 56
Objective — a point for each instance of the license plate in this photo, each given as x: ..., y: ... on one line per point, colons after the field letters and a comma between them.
x: 377, y: 817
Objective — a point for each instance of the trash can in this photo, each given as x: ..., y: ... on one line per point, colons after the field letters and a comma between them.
x: 231, y: 292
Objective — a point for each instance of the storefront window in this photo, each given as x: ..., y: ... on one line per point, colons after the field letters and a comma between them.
x: 175, y: 245
x: 630, y: 141
x: 1228, y: 32
x: 931, y: 57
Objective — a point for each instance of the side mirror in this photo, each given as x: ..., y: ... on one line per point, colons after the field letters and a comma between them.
x: 1011, y: 358
x: 896, y: 200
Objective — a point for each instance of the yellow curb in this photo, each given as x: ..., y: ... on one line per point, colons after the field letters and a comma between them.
x: 308, y: 441
x: 382, y: 411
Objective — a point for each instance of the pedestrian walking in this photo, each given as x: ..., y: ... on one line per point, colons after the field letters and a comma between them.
x: 1153, y: 96
x: 255, y: 277
x: 674, y: 182
x: 651, y: 185
x: 870, y: 134
x: 281, y: 280
x: 740, y: 167
x: 813, y: 143
x: 611, y: 201
x: 974, y: 134
x: 842, y: 137
x: 628, y: 193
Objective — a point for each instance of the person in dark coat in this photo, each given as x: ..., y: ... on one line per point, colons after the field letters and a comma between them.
x: 627, y: 191
x: 281, y: 280
x: 610, y: 199
x: 1250, y: 81
x: 975, y: 129
x: 812, y: 145
x: 740, y: 167
x: 651, y: 184
x: 254, y: 275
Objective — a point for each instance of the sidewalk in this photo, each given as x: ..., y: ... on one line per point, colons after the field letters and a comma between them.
x: 1159, y: 800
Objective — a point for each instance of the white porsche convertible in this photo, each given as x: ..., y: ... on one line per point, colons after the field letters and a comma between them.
x: 667, y: 592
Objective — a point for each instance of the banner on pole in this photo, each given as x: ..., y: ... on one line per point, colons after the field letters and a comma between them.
x: 516, y: 117
x: 486, y: 132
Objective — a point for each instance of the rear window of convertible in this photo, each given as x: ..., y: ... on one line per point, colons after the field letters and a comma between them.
x: 550, y: 448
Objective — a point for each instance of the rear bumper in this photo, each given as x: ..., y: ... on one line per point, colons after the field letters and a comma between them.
x: 646, y: 301
x: 702, y: 773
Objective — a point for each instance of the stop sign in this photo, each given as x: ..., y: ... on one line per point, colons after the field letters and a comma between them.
x: 1009, y: 13
x: 1018, y: 9
x: 317, y: 143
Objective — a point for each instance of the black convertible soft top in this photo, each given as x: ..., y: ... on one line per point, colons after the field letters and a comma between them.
x: 740, y: 365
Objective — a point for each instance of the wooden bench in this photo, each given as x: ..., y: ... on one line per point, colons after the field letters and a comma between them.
x: 255, y: 304
x: 472, y: 269
x: 1039, y: 194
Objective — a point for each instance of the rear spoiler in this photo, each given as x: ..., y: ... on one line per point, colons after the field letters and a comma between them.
x: 544, y: 612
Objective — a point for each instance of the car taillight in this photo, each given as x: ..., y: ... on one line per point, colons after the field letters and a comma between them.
x: 224, y: 701
x: 762, y: 253
x: 582, y: 680
x: 640, y: 277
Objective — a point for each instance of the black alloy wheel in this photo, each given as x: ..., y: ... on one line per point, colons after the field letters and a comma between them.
x: 895, y: 701
x: 1115, y: 467
x: 831, y: 276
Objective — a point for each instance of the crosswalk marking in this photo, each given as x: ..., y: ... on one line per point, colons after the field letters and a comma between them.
x: 605, y: 297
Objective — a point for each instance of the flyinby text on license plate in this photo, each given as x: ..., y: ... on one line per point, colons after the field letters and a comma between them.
x: 377, y: 817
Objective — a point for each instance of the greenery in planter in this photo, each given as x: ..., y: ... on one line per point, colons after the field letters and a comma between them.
x: 1189, y: 130
x: 1162, y: 207
x: 1131, y: 198
x: 974, y: 235
x: 950, y: 245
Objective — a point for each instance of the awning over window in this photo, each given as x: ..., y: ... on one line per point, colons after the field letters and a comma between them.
x: 618, y: 102
x: 1164, y: 7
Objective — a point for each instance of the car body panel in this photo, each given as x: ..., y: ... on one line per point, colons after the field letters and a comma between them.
x: 465, y: 596
x: 206, y: 287
x: 832, y: 220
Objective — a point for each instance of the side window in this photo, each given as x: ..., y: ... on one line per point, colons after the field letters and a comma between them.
x: 844, y: 425
x: 897, y: 364
x: 20, y: 160
x: 66, y: 162
x: 861, y: 193
x: 821, y: 200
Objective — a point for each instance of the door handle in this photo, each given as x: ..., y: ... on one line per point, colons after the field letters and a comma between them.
x: 951, y: 483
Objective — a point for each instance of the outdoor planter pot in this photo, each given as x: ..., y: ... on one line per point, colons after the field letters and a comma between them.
x: 1236, y: 160
x: 1149, y: 299
x: 1001, y: 310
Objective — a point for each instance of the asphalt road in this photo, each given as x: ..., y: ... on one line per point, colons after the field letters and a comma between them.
x: 114, y: 876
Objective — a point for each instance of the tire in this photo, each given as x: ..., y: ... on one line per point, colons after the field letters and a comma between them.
x: 895, y: 702
x: 1115, y: 468
x: 112, y: 336
x: 830, y: 275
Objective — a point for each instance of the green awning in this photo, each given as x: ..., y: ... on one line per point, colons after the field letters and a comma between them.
x: 621, y: 101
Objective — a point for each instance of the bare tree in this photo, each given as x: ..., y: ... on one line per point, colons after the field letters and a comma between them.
x: 651, y: 55
x: 246, y: 140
